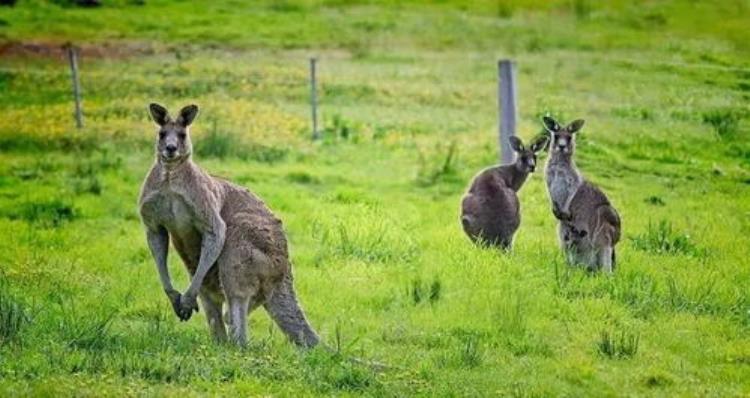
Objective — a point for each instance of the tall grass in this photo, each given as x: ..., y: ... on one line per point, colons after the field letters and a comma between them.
x: 90, y: 332
x: 222, y: 143
x: 14, y: 316
x: 725, y: 122
x: 420, y: 291
x: 52, y: 212
x: 661, y: 238
x: 622, y: 345
x: 438, y: 166
x: 372, y: 240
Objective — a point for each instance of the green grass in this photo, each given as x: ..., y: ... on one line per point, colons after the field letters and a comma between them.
x: 622, y: 345
x: 14, y: 316
x: 660, y: 238
x: 383, y: 270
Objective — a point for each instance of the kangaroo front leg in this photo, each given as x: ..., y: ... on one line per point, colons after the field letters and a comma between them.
x: 211, y: 246
x: 560, y: 214
x: 563, y: 213
x: 158, y: 242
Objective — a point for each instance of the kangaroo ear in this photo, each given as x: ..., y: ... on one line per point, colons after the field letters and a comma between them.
x: 539, y: 143
x: 187, y: 115
x: 575, y: 126
x: 550, y: 124
x: 515, y: 143
x: 158, y: 113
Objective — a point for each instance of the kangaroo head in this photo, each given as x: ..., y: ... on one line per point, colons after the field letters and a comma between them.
x: 173, y: 141
x: 526, y: 156
x: 563, y: 138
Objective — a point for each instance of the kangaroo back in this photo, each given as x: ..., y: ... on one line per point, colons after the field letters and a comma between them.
x: 285, y: 310
x: 609, y: 215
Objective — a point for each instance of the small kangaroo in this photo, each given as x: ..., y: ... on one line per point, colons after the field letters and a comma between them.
x: 231, y: 244
x: 589, y: 225
x: 490, y: 211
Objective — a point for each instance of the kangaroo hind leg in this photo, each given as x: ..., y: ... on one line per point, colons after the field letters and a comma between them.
x: 212, y: 306
x: 606, y: 255
x: 238, y: 307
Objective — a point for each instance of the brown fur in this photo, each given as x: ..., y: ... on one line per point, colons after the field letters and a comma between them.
x: 490, y: 211
x: 589, y: 226
x: 231, y: 244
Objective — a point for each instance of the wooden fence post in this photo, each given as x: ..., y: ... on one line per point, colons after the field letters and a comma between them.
x: 314, y: 99
x: 506, y: 91
x: 73, y: 58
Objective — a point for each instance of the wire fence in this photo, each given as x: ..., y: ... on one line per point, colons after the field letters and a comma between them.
x: 507, y: 86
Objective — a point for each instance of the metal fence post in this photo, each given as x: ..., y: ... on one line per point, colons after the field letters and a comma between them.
x: 73, y: 58
x: 314, y: 99
x: 506, y: 91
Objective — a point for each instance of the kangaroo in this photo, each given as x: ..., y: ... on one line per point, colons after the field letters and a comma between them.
x: 490, y: 211
x: 231, y: 244
x: 589, y: 226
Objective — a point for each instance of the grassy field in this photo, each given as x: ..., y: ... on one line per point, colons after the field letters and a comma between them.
x: 408, y: 102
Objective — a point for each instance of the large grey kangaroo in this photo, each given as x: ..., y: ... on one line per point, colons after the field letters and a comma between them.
x: 490, y: 211
x: 589, y: 226
x: 231, y: 244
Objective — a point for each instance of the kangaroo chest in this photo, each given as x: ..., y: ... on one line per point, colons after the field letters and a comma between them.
x: 562, y: 182
x: 178, y: 215
x: 172, y: 211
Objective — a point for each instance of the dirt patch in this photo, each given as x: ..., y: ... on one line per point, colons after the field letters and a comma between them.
x: 90, y: 50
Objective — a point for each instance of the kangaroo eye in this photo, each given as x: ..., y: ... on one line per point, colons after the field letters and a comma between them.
x: 182, y: 136
x: 162, y: 134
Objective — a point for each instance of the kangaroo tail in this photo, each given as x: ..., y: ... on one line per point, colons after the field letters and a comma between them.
x: 285, y: 310
x: 287, y: 313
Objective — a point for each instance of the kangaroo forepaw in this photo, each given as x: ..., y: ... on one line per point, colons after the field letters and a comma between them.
x: 174, y: 299
x: 579, y: 233
x: 184, y: 305
x: 561, y: 215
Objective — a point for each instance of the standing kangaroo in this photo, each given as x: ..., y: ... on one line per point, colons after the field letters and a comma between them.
x: 490, y: 211
x: 589, y: 225
x: 231, y: 244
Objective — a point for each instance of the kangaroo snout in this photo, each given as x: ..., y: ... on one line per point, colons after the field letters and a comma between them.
x: 563, y: 148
